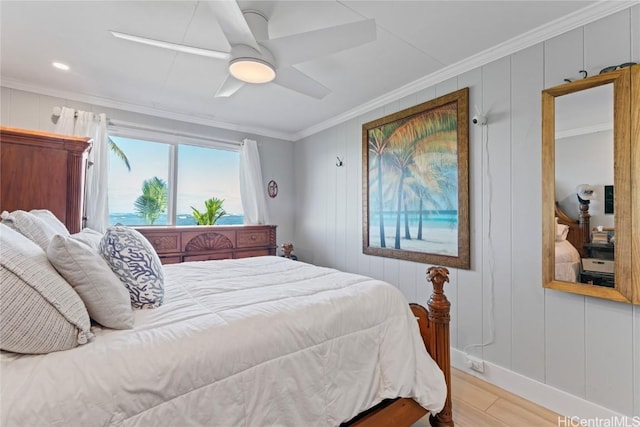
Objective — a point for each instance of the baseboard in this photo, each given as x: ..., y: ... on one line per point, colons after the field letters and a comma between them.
x: 542, y: 394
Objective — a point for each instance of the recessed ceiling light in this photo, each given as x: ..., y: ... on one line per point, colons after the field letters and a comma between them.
x: 61, y: 66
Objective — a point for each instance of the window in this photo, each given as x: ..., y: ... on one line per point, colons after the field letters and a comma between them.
x: 204, y: 173
x: 167, y: 179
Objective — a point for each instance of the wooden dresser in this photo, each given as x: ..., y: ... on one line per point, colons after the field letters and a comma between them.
x: 43, y: 170
x: 200, y: 243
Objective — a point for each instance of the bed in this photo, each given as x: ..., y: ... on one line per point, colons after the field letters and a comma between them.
x: 571, y: 235
x: 244, y: 342
x: 567, y: 267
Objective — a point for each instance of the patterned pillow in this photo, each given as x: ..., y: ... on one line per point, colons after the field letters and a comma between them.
x: 41, y: 312
x: 135, y: 262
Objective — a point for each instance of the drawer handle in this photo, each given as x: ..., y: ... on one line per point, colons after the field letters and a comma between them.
x: 254, y: 237
x: 156, y: 242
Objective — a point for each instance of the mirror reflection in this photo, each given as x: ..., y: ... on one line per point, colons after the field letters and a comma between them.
x: 584, y: 177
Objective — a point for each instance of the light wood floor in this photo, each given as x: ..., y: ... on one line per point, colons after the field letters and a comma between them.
x: 478, y: 404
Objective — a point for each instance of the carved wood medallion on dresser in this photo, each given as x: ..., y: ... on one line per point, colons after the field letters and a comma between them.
x: 200, y: 243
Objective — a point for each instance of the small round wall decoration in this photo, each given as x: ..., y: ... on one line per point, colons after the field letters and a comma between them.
x: 272, y: 188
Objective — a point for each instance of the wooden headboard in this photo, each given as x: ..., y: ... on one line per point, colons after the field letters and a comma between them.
x: 40, y: 170
x: 579, y: 232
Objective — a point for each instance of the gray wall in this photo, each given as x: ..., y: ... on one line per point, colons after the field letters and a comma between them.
x: 585, y: 159
x: 28, y: 110
x: 587, y: 347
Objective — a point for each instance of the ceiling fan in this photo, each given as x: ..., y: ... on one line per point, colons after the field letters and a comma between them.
x: 255, y: 58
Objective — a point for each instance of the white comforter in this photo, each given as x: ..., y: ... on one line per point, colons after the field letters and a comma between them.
x: 251, y: 342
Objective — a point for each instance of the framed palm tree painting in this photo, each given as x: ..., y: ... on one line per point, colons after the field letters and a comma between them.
x: 416, y: 183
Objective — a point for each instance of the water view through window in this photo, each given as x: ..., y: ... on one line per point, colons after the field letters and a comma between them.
x: 142, y: 195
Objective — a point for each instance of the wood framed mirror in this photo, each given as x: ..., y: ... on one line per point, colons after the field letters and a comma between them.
x: 590, y: 135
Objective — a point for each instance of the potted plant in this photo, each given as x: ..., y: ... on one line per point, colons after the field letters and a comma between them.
x: 212, y: 213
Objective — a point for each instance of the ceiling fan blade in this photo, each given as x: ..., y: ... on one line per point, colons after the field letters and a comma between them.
x: 301, y: 47
x: 232, y: 23
x: 293, y: 79
x: 172, y: 46
x: 230, y: 86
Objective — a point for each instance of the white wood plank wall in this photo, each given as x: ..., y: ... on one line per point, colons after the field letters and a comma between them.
x: 587, y: 347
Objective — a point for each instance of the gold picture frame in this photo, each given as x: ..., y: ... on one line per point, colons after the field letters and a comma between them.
x: 415, y: 183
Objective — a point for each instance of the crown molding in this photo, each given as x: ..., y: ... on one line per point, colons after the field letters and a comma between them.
x: 135, y: 108
x: 552, y: 29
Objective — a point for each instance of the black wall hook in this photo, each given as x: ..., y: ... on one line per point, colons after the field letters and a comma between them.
x: 338, y: 161
x: 584, y: 76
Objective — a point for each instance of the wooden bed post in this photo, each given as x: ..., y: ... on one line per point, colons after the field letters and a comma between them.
x: 584, y: 221
x: 439, y: 318
x: 434, y: 330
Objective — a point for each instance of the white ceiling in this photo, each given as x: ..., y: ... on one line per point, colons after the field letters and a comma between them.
x: 416, y: 41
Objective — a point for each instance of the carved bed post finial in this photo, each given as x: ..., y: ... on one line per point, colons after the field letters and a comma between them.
x: 584, y: 219
x: 439, y: 318
x: 438, y: 276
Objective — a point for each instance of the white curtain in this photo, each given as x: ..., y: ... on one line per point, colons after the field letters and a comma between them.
x: 252, y: 189
x: 83, y: 123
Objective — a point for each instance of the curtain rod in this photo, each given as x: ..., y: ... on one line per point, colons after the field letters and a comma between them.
x: 193, y: 136
x: 135, y: 126
x: 55, y: 114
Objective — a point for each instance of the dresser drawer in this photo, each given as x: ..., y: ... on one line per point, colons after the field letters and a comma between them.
x: 252, y: 238
x: 170, y: 259
x: 252, y: 253
x: 208, y: 257
x: 164, y: 243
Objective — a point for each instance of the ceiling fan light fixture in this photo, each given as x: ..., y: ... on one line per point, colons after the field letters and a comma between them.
x: 252, y: 70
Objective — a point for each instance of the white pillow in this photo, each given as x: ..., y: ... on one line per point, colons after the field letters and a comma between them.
x: 104, y: 295
x: 89, y: 237
x: 31, y: 226
x: 135, y: 262
x: 41, y: 312
x: 562, y: 231
x: 51, y: 220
